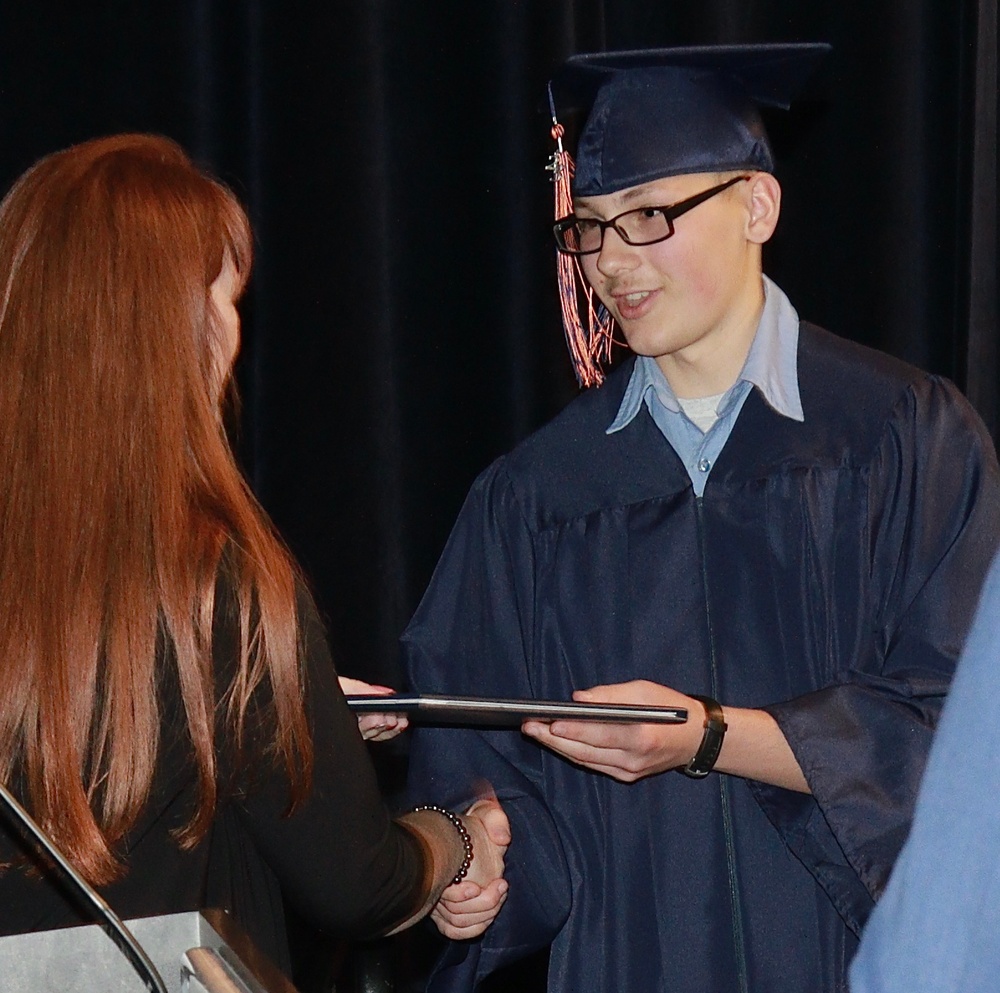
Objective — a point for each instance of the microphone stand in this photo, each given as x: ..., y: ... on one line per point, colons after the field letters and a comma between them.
x: 110, y: 922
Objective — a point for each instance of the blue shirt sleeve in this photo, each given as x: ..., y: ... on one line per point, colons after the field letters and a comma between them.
x: 936, y: 927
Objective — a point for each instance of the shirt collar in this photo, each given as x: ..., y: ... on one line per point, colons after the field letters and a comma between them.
x: 772, y: 362
x: 771, y: 365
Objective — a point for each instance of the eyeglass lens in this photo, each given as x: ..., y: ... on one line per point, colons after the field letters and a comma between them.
x: 638, y: 227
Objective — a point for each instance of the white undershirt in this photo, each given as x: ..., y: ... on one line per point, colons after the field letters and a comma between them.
x: 702, y: 411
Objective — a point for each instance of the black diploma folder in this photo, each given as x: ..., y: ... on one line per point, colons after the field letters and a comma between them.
x: 492, y: 712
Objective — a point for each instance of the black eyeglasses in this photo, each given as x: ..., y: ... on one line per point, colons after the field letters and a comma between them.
x: 642, y: 226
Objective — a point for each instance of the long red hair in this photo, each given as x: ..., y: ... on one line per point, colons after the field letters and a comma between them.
x: 120, y: 496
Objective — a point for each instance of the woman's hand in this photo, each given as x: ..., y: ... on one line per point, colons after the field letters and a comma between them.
x: 467, y: 909
x: 374, y: 727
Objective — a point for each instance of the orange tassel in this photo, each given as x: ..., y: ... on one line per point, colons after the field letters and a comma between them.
x: 589, y: 344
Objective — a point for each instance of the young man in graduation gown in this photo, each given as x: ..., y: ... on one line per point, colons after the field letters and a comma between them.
x: 779, y: 530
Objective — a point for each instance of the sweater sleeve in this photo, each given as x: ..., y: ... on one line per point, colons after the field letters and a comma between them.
x: 340, y: 859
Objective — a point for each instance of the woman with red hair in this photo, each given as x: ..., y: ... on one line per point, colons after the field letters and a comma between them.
x: 168, y: 709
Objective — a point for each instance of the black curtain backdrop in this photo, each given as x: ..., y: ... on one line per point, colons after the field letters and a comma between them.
x: 401, y: 329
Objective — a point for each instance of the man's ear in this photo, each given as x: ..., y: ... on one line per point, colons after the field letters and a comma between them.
x: 764, y: 200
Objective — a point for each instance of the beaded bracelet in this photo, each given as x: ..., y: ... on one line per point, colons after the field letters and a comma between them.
x: 463, y: 833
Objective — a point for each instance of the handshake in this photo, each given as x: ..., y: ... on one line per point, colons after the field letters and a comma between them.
x: 466, y: 908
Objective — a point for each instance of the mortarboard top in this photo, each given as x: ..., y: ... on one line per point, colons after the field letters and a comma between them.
x: 668, y: 111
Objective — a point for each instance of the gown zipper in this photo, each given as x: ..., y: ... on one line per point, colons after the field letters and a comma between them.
x: 739, y: 942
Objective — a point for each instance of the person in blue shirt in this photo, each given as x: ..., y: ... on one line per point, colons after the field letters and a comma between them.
x: 779, y: 530
x: 937, y: 927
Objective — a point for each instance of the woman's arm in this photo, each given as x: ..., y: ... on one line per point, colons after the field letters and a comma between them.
x: 476, y: 899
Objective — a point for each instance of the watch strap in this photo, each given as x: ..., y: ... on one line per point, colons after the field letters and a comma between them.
x: 711, y: 743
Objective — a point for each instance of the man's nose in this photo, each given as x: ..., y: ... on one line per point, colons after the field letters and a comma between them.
x: 616, y: 254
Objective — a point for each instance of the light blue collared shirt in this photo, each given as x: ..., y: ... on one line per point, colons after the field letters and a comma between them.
x: 771, y: 365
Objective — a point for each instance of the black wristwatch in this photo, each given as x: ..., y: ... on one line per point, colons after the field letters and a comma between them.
x: 711, y: 744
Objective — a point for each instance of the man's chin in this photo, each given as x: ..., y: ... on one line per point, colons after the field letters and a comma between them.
x: 651, y: 345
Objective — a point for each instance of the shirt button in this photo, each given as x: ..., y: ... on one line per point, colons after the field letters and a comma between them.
x: 704, y: 465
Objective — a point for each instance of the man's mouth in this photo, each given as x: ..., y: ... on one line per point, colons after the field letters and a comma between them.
x: 632, y: 298
x: 633, y: 304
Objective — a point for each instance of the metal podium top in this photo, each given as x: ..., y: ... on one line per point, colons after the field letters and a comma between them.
x: 85, y: 960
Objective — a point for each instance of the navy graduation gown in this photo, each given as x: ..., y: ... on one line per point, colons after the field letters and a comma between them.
x: 828, y: 574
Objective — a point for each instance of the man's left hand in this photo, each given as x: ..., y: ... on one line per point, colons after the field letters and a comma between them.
x: 626, y: 752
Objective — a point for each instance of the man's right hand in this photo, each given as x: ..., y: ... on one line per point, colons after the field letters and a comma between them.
x: 467, y: 909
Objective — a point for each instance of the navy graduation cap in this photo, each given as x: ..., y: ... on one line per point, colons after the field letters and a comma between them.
x: 666, y: 111
x: 654, y: 113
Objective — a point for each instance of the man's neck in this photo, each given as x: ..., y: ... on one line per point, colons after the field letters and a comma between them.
x: 712, y: 365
